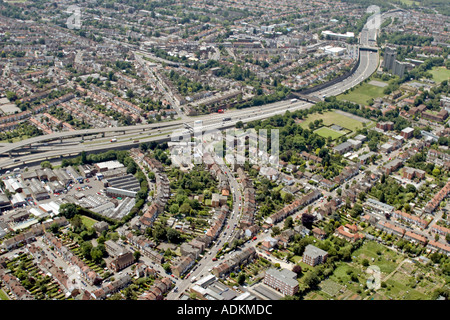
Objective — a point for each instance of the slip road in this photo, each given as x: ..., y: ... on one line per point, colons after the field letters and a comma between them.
x: 231, y: 309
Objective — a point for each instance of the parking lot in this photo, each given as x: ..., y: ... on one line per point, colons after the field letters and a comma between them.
x: 91, y: 194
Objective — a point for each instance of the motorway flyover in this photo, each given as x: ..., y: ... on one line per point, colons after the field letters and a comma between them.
x: 153, y: 132
x: 368, y: 64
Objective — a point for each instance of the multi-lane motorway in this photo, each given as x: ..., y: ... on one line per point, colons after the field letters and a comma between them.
x: 57, y: 145
x: 368, y: 65
x: 71, y: 143
x: 61, y: 144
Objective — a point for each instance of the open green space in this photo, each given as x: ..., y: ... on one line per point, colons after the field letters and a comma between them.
x: 342, y: 273
x: 362, y: 94
x: 298, y: 260
x: 326, y: 132
x: 3, y: 295
x: 88, y: 222
x: 15, y: 139
x: 410, y: 2
x: 440, y: 74
x: 382, y: 257
x: 332, y: 117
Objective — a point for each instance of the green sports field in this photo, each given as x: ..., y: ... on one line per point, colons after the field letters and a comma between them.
x: 331, y: 117
x: 362, y: 94
x: 88, y: 222
x: 326, y: 132
x: 440, y: 74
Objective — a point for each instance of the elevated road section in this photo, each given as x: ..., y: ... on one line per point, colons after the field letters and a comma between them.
x: 368, y: 63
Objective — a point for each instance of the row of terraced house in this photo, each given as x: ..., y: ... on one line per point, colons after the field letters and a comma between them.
x: 294, y: 207
x: 431, y: 206
x: 162, y: 190
x: 87, y: 273
x: 27, y: 114
x: 401, y: 232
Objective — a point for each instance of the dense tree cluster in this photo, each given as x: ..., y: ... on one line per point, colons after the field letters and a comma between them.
x: 23, y: 130
x: 406, y: 39
x: 388, y: 190
x: 186, y: 86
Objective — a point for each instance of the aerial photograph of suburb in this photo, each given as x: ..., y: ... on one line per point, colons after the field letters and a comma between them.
x: 240, y: 153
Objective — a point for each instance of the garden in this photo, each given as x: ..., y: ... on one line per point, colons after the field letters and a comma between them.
x: 40, y: 285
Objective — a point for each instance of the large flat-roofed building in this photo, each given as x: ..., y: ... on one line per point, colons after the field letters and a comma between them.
x: 282, y: 280
x: 400, y: 67
x: 392, y: 166
x: 411, y: 173
x: 364, y: 159
x: 37, y: 190
x: 63, y: 176
x: 338, y: 36
x: 343, y: 147
x: 108, y: 165
x: 386, y: 125
x: 390, y: 54
x: 435, y: 116
x: 387, y: 147
x: 115, y: 192
x: 314, y: 256
x: 122, y: 258
x: 210, y: 288
x: 379, y: 206
x: 5, y: 204
x: 114, y: 249
x: 391, y: 63
x: 122, y: 261
x: 126, y: 182
x: 407, y: 132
